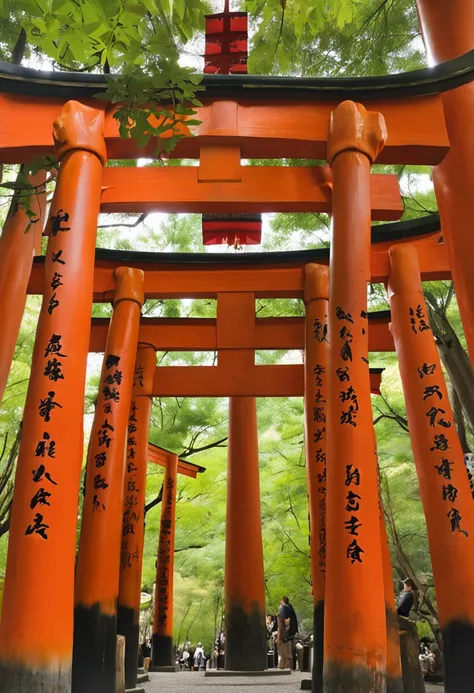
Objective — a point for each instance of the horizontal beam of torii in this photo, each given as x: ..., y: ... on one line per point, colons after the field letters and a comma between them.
x: 206, y: 278
x: 202, y: 334
x: 161, y: 456
x: 269, y: 129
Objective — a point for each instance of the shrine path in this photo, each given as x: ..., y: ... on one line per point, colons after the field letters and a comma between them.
x: 193, y: 682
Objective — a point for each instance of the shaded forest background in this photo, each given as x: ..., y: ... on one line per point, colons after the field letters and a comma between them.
x: 296, y: 37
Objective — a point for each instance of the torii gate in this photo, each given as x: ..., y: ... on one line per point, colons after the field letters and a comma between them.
x: 128, y: 607
x: 322, y: 121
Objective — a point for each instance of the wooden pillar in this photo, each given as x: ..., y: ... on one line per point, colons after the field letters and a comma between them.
x: 448, y: 31
x: 444, y: 485
x: 98, y: 560
x: 17, y: 249
x: 245, y: 647
x: 162, y: 639
x: 133, y: 517
x: 354, y: 628
x: 37, y: 618
x: 316, y: 294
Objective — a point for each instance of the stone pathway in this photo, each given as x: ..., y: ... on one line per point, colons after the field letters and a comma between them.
x: 194, y: 682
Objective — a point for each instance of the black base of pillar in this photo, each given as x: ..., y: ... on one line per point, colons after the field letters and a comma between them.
x: 339, y: 679
x: 162, y: 652
x: 458, y: 639
x: 94, y: 654
x: 128, y: 625
x: 394, y: 685
x: 318, y: 648
x: 246, y: 640
x: 15, y: 678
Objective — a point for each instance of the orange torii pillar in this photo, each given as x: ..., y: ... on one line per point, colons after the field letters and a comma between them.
x: 98, y: 559
x: 448, y: 31
x: 133, y: 517
x: 354, y: 629
x: 444, y: 485
x: 36, y: 630
x: 17, y: 249
x: 246, y: 645
x: 316, y: 293
x: 162, y: 639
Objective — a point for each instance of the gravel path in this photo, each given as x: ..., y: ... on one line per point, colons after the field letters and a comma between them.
x: 194, y: 682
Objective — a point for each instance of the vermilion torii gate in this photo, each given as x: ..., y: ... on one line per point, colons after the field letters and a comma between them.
x: 318, y: 120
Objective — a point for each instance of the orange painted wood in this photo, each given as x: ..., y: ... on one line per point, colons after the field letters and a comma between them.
x: 36, y: 629
x: 200, y: 334
x: 295, y: 129
x: 163, y: 618
x: 158, y: 455
x: 214, y: 381
x: 133, y: 509
x: 448, y: 31
x: 439, y: 460
x: 355, y: 654
x: 98, y: 558
x: 315, y: 401
x: 263, y: 189
x: 244, y: 583
x: 266, y: 281
x: 17, y: 248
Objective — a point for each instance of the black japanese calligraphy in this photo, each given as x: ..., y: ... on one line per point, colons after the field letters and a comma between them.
x: 352, y: 525
x: 47, y: 405
x: 56, y: 222
x: 354, y: 552
x: 352, y: 475
x: 426, y: 369
x: 343, y: 316
x: 54, y: 346
x: 432, y: 390
x: 57, y: 257
x: 444, y: 469
x: 46, y: 446
x: 40, y: 498
x: 38, y: 527
x: 433, y: 413
x: 112, y: 361
x: 53, y: 370
x: 40, y: 472
x: 352, y: 502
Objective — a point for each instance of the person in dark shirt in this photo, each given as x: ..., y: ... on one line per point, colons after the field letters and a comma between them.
x: 146, y: 652
x: 287, y: 629
x: 407, y: 598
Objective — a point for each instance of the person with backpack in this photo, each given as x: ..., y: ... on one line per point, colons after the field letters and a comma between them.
x: 287, y: 629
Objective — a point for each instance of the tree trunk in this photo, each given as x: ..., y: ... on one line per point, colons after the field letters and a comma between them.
x: 459, y: 420
x: 454, y: 358
x: 18, y: 52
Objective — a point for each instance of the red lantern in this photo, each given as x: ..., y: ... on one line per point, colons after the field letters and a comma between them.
x: 234, y: 230
x: 226, y: 42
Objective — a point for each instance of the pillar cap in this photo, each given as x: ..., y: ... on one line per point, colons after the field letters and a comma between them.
x: 353, y: 128
x: 404, y: 270
x: 316, y: 282
x: 129, y: 285
x: 79, y: 127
